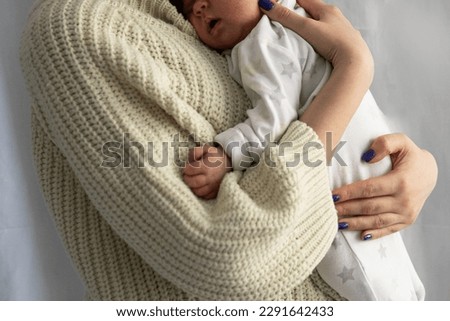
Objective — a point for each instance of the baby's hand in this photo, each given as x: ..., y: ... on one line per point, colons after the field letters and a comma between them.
x: 205, y: 170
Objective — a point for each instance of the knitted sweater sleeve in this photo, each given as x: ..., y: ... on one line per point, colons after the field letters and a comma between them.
x: 115, y: 78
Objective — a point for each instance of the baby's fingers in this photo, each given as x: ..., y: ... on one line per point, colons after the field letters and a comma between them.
x: 195, y: 181
x: 206, y: 192
x: 197, y: 153
x: 194, y: 168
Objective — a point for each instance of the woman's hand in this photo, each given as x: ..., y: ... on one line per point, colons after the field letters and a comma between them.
x: 332, y: 36
x: 328, y: 31
x: 386, y: 204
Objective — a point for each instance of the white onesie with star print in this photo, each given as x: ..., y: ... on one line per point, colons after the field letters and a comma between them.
x: 281, y: 73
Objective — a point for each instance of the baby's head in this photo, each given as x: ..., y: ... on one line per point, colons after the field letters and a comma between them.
x: 220, y: 24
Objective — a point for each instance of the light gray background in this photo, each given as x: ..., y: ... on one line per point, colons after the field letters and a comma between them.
x: 411, y: 46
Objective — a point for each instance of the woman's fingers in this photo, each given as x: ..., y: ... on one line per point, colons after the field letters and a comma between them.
x: 315, y: 8
x: 368, y: 206
x: 376, y: 234
x: 369, y: 222
x: 388, y: 203
x: 328, y: 31
x: 372, y: 187
x: 286, y: 17
x: 373, y: 226
x: 386, y: 145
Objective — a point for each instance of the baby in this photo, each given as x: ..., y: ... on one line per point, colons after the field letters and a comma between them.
x: 281, y: 73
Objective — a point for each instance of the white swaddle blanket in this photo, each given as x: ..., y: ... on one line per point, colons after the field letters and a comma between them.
x: 376, y: 269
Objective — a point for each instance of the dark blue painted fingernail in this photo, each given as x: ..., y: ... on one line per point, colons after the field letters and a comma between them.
x: 367, y: 237
x: 343, y: 225
x: 368, y: 156
x: 336, y: 198
x: 265, y: 4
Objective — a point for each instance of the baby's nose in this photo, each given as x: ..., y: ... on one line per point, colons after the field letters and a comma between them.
x: 199, y: 6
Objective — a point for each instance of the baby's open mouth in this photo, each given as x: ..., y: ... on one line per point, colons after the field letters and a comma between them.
x: 212, y: 23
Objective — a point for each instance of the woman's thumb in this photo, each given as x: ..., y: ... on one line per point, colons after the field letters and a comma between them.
x: 266, y: 5
x: 385, y: 145
x: 280, y: 13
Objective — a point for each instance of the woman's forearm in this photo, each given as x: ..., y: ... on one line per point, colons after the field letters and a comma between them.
x: 334, y: 106
x: 333, y: 37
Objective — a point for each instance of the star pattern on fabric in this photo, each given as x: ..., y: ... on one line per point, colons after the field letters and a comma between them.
x: 288, y: 69
x: 276, y: 95
x: 382, y: 251
x: 346, y: 274
x: 275, y: 92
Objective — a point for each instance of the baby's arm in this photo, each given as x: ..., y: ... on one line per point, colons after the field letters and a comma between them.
x: 205, y: 170
x: 271, y: 76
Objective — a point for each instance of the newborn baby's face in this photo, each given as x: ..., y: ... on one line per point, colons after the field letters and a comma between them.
x: 221, y: 24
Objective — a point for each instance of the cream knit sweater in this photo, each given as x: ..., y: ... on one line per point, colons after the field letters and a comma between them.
x: 99, y: 70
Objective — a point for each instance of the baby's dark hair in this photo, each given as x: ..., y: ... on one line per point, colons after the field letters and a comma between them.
x: 179, y: 5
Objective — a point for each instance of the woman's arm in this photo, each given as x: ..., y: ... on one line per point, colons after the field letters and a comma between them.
x: 332, y: 36
x: 390, y: 202
x: 386, y: 204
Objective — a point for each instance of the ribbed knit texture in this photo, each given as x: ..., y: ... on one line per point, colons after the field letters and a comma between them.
x: 100, y: 69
